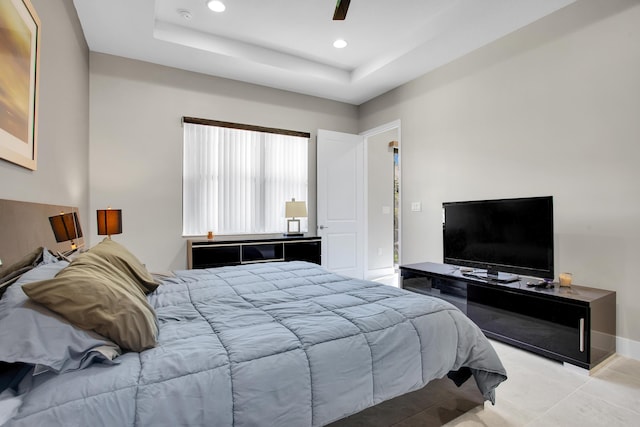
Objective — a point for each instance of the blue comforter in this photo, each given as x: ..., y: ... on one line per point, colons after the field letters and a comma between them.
x: 276, y: 344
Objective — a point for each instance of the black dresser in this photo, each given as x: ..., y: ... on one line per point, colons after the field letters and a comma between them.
x: 227, y: 251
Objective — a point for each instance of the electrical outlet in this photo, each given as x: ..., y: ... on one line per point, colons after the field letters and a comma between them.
x: 416, y: 206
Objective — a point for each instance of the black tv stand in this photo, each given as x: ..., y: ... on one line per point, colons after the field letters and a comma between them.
x: 575, y: 325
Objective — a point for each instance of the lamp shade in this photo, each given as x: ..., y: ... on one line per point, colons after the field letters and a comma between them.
x: 109, y: 221
x: 65, y: 226
x: 295, y: 209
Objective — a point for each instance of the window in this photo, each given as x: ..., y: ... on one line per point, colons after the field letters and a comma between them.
x: 237, y: 178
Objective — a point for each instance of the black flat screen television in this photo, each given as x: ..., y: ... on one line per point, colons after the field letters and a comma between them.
x: 501, y: 236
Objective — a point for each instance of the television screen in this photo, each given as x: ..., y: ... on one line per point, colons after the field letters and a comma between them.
x: 508, y: 235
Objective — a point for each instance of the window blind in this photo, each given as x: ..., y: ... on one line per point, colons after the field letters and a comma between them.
x: 236, y: 181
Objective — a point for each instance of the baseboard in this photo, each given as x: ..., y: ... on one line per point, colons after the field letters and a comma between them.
x: 380, y: 272
x: 589, y: 372
x: 628, y: 348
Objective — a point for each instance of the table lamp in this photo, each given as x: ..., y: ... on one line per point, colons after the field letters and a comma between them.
x: 109, y: 222
x: 66, y: 227
x: 294, y: 210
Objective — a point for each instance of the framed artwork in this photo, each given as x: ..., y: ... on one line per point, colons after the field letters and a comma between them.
x: 19, y: 51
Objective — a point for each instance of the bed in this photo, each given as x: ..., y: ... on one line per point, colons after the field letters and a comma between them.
x: 278, y: 344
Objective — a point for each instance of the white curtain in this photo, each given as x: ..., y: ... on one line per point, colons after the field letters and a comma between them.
x: 237, y: 181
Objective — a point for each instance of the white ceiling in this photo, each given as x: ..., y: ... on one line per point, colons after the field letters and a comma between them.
x: 287, y: 44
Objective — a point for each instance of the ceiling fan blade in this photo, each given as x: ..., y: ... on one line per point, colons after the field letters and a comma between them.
x: 341, y: 10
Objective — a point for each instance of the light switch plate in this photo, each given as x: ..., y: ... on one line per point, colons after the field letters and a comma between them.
x: 416, y: 206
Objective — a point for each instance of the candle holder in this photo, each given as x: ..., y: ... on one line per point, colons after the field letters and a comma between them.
x: 565, y: 279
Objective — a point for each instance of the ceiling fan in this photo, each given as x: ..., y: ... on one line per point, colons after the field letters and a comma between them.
x: 341, y: 10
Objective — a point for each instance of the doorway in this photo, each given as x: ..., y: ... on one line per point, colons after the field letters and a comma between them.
x: 358, y: 201
x: 382, y: 203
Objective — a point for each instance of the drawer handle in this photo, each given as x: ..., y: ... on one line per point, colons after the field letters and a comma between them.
x: 582, y: 334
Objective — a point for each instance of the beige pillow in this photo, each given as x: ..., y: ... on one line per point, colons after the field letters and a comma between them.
x: 93, y: 294
x: 29, y: 260
x: 124, y: 260
x: 11, y: 273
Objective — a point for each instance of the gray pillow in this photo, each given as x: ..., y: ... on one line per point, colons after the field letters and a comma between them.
x: 32, y: 334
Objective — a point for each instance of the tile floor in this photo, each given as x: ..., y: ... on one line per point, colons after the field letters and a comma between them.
x: 539, y: 392
x: 542, y: 392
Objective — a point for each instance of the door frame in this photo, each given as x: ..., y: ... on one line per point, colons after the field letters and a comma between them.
x: 396, y: 124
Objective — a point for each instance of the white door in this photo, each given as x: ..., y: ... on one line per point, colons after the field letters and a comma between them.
x: 340, y: 192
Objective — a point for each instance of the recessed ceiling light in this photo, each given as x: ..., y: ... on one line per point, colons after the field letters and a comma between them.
x: 216, y: 5
x: 339, y: 44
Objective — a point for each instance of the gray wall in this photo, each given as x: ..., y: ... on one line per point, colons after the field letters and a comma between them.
x: 136, y: 142
x: 62, y: 175
x: 550, y: 110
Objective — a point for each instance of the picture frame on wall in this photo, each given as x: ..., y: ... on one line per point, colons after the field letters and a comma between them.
x: 19, y: 50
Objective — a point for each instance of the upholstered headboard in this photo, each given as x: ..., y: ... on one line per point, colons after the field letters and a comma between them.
x: 25, y: 226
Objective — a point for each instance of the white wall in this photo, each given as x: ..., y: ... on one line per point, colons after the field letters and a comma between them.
x: 552, y: 109
x: 62, y: 172
x: 136, y: 142
x: 380, y: 174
